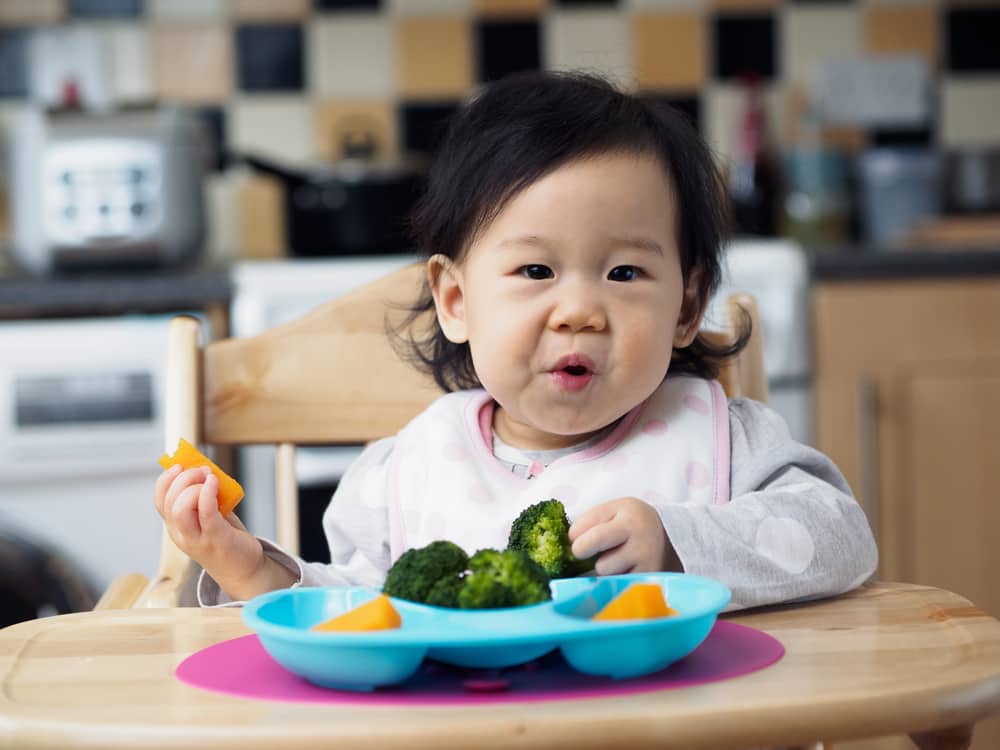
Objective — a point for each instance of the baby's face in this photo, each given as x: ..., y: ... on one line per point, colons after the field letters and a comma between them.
x: 571, y: 299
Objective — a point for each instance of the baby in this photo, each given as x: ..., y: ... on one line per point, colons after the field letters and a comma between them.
x: 573, y: 238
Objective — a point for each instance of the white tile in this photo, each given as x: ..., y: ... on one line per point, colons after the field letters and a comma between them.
x: 970, y: 111
x: 277, y: 126
x: 131, y: 62
x: 724, y: 105
x: 351, y: 55
x: 222, y: 192
x: 430, y: 7
x: 812, y: 34
x: 176, y: 9
x: 594, y: 41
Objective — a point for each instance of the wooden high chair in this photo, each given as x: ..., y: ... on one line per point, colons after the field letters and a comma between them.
x: 330, y: 376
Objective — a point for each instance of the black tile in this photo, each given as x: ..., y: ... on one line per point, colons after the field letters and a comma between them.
x: 14, y: 63
x: 106, y: 8
x: 689, y: 107
x: 345, y: 4
x: 972, y: 38
x: 506, y: 47
x: 923, y: 137
x: 745, y: 45
x: 270, y: 57
x: 423, y: 124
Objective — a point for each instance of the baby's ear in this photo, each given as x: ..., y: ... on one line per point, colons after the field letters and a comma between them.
x: 447, y: 286
x: 692, y: 310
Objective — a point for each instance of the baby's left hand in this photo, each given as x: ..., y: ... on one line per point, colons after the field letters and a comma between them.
x: 629, y: 534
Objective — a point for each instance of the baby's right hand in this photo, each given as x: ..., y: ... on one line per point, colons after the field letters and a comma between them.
x: 188, y: 502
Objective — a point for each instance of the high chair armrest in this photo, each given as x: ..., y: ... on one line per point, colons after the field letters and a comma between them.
x: 123, y: 592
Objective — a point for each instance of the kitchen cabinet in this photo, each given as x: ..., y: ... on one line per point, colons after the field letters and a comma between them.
x: 907, y: 377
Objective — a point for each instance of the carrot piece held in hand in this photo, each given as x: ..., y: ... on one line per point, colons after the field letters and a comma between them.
x: 378, y: 614
x: 189, y: 457
x: 640, y: 601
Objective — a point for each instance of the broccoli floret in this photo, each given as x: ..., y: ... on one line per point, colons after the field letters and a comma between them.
x: 542, y: 531
x: 416, y: 572
x: 444, y: 593
x: 507, y: 578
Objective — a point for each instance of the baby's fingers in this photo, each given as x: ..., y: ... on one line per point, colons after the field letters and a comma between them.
x: 208, y: 505
x: 162, y: 485
x: 601, y: 537
x: 183, y: 514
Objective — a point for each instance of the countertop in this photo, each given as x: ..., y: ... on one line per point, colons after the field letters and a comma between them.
x: 113, y: 293
x: 859, y: 263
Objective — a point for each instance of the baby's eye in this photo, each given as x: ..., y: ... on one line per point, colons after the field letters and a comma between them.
x: 624, y: 273
x: 536, y: 272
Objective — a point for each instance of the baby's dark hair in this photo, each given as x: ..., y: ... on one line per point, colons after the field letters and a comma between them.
x: 522, y: 128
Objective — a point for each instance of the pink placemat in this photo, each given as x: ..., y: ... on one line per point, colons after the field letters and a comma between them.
x: 241, y: 667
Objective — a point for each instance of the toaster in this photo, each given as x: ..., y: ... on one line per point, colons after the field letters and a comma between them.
x: 100, y: 190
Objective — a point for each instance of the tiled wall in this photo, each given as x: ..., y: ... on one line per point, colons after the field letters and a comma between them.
x: 287, y: 77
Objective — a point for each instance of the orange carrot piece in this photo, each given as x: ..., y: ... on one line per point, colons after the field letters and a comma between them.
x: 189, y: 457
x: 637, y: 602
x: 378, y: 614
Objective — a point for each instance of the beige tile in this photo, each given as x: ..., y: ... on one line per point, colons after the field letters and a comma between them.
x: 596, y: 41
x: 670, y: 50
x: 130, y: 61
x: 351, y: 55
x: 509, y: 7
x: 280, y: 127
x: 192, y: 63
x: 223, y: 241
x: 336, y: 119
x: 430, y: 7
x: 970, y: 111
x: 186, y: 9
x: 31, y: 12
x: 269, y: 10
x: 902, y: 29
x: 262, y: 219
x: 434, y: 57
x: 811, y: 35
x: 5, y: 229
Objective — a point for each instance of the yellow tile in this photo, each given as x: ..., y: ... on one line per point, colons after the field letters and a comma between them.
x: 337, y: 119
x: 192, y: 63
x: 902, y: 29
x: 268, y: 10
x: 670, y: 50
x: 27, y: 12
x: 510, y: 7
x: 262, y: 218
x: 435, y: 57
x: 745, y: 4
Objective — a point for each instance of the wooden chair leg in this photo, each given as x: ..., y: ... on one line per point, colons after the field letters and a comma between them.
x: 952, y: 738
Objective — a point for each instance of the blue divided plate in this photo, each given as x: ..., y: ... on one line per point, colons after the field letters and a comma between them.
x: 494, y: 638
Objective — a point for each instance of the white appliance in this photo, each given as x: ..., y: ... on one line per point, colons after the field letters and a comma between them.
x: 269, y: 293
x: 81, y: 427
x: 776, y: 272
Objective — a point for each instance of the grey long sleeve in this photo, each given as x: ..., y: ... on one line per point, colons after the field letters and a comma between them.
x: 791, y: 531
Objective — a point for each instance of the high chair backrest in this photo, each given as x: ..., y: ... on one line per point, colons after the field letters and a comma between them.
x: 330, y: 376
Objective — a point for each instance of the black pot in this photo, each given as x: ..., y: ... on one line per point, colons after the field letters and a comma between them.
x: 357, y: 206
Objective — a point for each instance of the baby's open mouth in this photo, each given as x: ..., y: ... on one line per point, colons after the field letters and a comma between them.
x: 575, y: 370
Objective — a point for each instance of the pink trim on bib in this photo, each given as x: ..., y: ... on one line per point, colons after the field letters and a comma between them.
x: 720, y: 408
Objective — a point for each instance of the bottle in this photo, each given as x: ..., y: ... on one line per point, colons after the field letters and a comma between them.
x: 754, y: 178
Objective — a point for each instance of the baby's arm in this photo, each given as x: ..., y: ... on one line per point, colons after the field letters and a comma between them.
x: 792, y: 529
x: 188, y: 503
x: 357, y: 531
